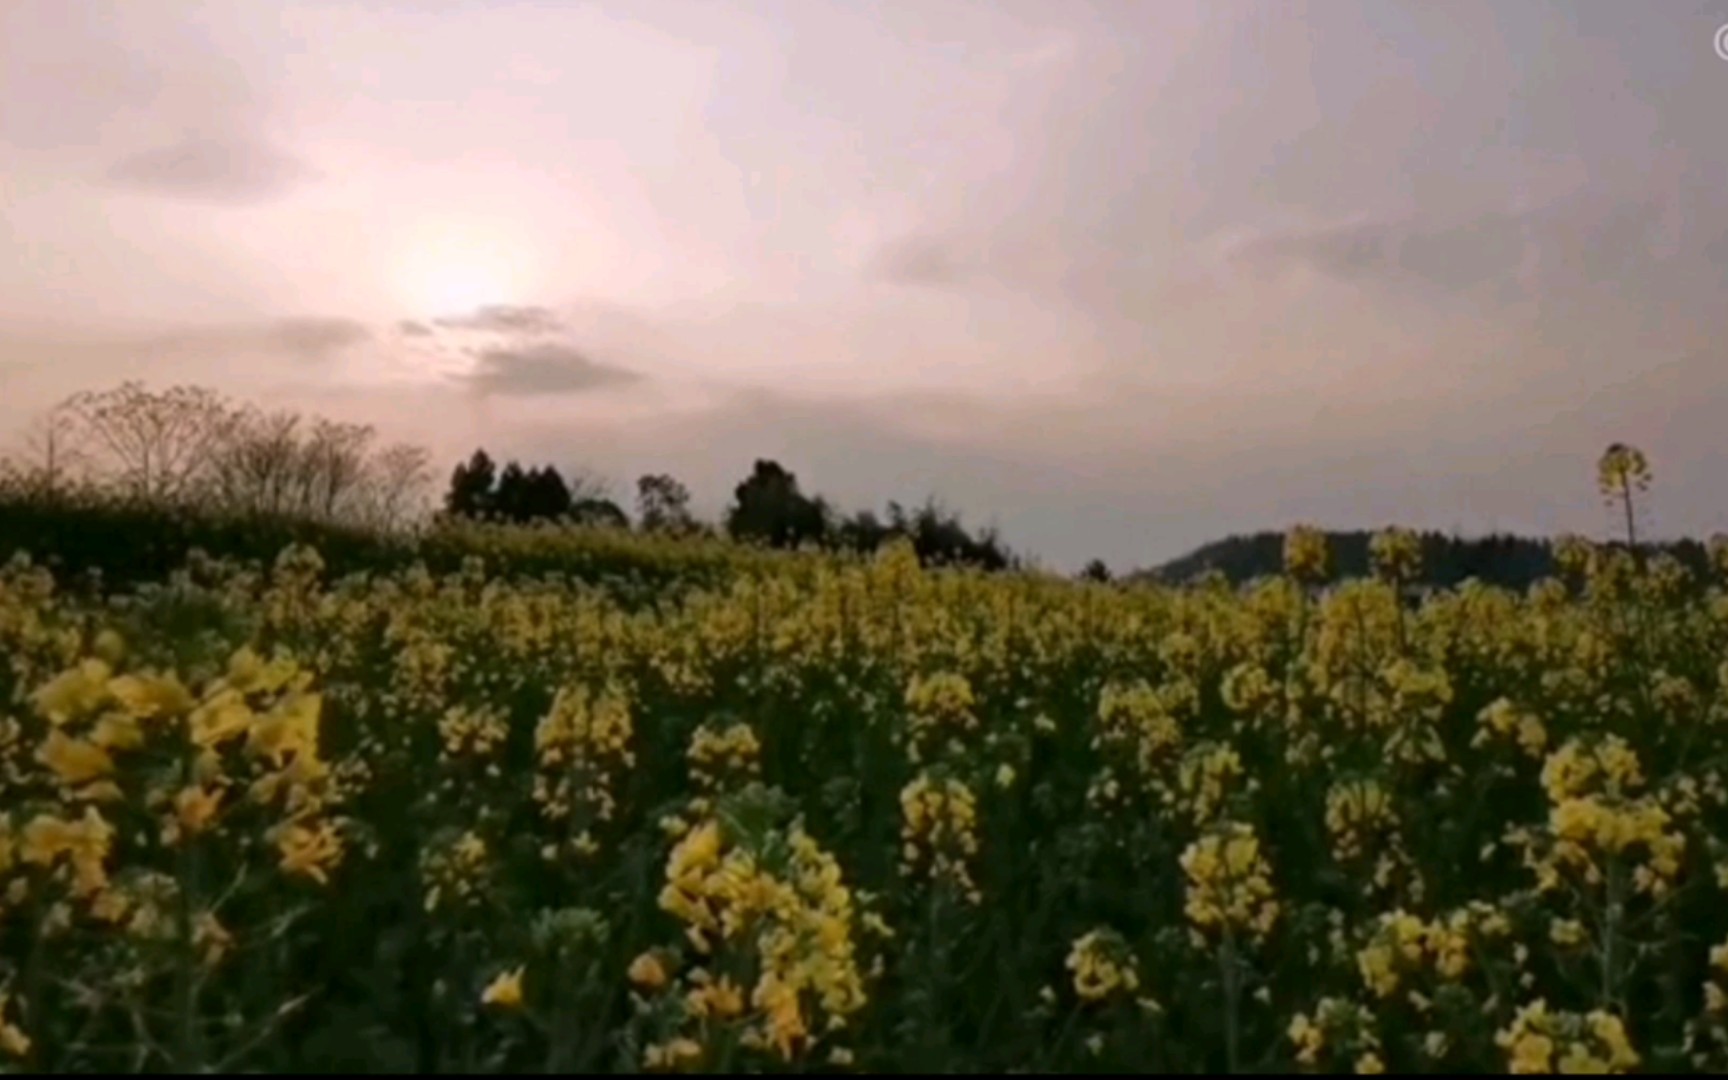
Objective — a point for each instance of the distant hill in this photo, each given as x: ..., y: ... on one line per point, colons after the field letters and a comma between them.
x: 1499, y: 559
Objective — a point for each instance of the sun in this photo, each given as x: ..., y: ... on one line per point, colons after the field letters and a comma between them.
x: 452, y: 272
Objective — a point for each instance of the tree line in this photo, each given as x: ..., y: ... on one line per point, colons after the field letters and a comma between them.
x: 768, y: 507
x: 190, y: 446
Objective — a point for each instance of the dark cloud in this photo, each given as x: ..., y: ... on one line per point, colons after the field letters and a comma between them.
x: 505, y: 319
x: 917, y: 260
x: 307, y: 340
x: 543, y: 369
x: 1562, y: 246
x: 410, y: 328
x: 1344, y: 252
x: 315, y: 338
x: 223, y: 169
x: 1449, y: 258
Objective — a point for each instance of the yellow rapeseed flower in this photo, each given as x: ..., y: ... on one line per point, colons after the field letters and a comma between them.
x: 13, y: 1041
x: 505, y: 991
x: 195, y: 808
x: 74, y: 761
x: 309, y: 851
x: 647, y: 972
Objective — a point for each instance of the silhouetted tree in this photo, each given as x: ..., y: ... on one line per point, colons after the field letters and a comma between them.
x: 511, y: 496
x: 153, y: 445
x: 52, y: 456
x: 1095, y: 571
x: 599, y: 511
x: 333, y: 464
x: 940, y: 538
x: 662, y: 504
x: 471, y: 487
x: 396, y: 486
x: 547, y: 496
x: 260, y: 466
x: 863, y: 532
x: 769, y: 508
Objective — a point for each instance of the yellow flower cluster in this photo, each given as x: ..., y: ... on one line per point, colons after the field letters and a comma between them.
x: 1207, y: 776
x: 582, y: 746
x: 1396, y: 554
x: 1609, y: 768
x: 1707, y: 1035
x: 1138, y: 728
x: 505, y: 991
x: 1539, y: 1041
x: 793, y: 923
x: 939, y: 833
x: 1400, y: 941
x: 250, y: 737
x: 725, y: 758
x: 13, y: 1041
x: 1103, y: 966
x: 1622, y: 468
x: 472, y: 734
x: 938, y: 707
x: 1595, y: 817
x: 77, y: 846
x: 1305, y: 554
x: 1503, y: 721
x: 1229, y: 883
x: 1358, y: 812
x: 1342, y: 1027
x: 454, y: 872
x: 1400, y: 944
x: 1247, y: 689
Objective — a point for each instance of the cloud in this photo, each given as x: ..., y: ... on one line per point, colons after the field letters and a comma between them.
x: 226, y: 355
x: 221, y: 169
x: 410, y: 328
x: 1446, y: 257
x: 505, y: 319
x: 316, y: 338
x: 308, y: 339
x: 543, y: 369
x: 1055, y: 51
x: 1599, y: 244
x: 917, y: 260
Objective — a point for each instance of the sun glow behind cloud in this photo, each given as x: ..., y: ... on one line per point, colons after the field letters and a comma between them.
x: 450, y: 268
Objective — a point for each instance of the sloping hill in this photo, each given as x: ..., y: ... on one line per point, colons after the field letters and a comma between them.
x: 1500, y: 559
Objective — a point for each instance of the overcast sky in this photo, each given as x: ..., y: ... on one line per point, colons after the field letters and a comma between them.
x: 1119, y: 276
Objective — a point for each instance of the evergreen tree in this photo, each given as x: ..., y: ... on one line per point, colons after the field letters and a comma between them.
x: 471, y: 493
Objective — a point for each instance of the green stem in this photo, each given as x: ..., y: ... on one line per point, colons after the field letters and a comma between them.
x: 1610, y: 992
x: 1631, y: 522
x: 35, y: 981
x: 1067, y: 1028
x: 1230, y: 976
x: 188, y: 1042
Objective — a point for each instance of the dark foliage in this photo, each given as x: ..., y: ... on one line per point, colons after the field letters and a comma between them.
x: 1513, y: 562
x: 479, y: 491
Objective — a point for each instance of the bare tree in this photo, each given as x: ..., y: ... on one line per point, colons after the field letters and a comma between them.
x: 586, y: 485
x: 149, y: 444
x: 333, y: 467
x: 189, y: 443
x: 397, y: 486
x: 663, y: 504
x: 52, y: 457
x: 256, y: 466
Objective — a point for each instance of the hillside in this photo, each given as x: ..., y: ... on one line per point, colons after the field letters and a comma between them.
x: 1499, y: 559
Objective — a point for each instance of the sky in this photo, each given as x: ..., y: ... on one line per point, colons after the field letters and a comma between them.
x: 1117, y: 276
